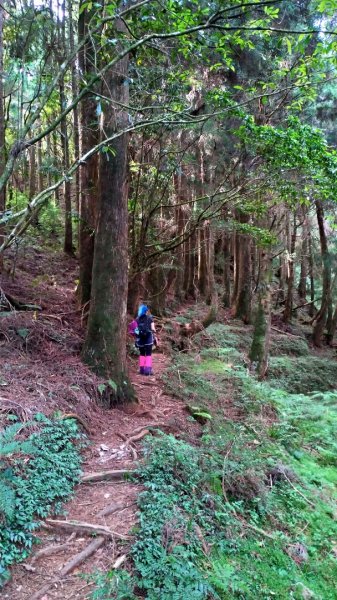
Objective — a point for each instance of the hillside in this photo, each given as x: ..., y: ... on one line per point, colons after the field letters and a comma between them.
x: 234, y: 491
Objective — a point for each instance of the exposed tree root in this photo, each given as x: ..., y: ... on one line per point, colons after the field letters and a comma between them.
x: 7, y: 302
x: 70, y: 566
x: 88, y: 528
x: 53, y: 549
x: 82, y: 556
x: 106, y: 476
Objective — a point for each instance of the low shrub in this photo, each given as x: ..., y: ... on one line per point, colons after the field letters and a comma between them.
x: 33, y: 487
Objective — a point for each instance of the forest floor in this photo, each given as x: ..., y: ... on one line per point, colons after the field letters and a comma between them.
x: 40, y: 371
x: 252, y: 474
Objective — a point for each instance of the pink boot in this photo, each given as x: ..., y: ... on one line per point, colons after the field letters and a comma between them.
x: 141, y: 365
x: 148, y: 365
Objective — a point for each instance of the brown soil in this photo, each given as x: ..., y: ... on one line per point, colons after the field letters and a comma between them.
x: 40, y: 370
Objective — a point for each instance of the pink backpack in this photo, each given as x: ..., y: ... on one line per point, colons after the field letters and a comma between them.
x: 131, y: 327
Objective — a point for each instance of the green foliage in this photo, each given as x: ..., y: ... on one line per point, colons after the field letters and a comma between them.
x: 36, y: 486
x: 284, y: 344
x: 9, y: 446
x: 302, y: 374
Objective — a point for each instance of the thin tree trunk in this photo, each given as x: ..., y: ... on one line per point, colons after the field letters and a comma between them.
x: 226, y: 298
x: 105, y: 343
x: 322, y: 315
x: 311, y: 275
x: 39, y: 166
x: 288, y: 309
x: 32, y: 180
x: 74, y: 91
x: 2, y: 129
x: 243, y: 297
x: 302, y: 286
x: 68, y: 233
x: 89, y: 171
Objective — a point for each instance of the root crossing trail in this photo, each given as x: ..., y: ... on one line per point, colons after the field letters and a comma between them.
x: 56, y: 566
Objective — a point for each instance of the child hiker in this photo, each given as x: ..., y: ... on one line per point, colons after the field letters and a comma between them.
x: 145, y: 338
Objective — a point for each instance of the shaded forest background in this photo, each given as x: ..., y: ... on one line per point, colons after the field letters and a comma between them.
x: 181, y: 150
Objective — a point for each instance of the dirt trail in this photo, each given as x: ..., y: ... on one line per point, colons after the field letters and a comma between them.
x: 41, y: 370
x: 107, y: 451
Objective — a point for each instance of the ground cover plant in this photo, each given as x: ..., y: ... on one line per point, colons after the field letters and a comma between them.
x: 250, y: 511
x: 37, y: 473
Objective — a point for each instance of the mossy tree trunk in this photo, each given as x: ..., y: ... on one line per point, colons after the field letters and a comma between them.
x: 105, y: 344
x: 259, y: 351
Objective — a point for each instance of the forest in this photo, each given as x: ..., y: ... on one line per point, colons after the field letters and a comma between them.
x: 174, y: 158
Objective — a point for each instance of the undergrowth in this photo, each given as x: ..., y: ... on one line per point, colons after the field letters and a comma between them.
x: 250, y: 512
x: 36, y: 475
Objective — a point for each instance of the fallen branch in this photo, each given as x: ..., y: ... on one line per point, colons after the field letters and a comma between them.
x: 120, y: 560
x: 88, y: 528
x: 298, y: 491
x: 259, y: 530
x: 287, y: 333
x: 106, y: 476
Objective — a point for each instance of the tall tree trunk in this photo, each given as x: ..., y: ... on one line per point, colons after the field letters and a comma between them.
x: 180, y: 184
x: 74, y: 92
x: 68, y: 233
x: 226, y: 297
x: 105, y: 343
x: 32, y: 179
x: 243, y: 298
x: 2, y: 128
x: 302, y: 285
x: 322, y: 315
x: 89, y: 171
